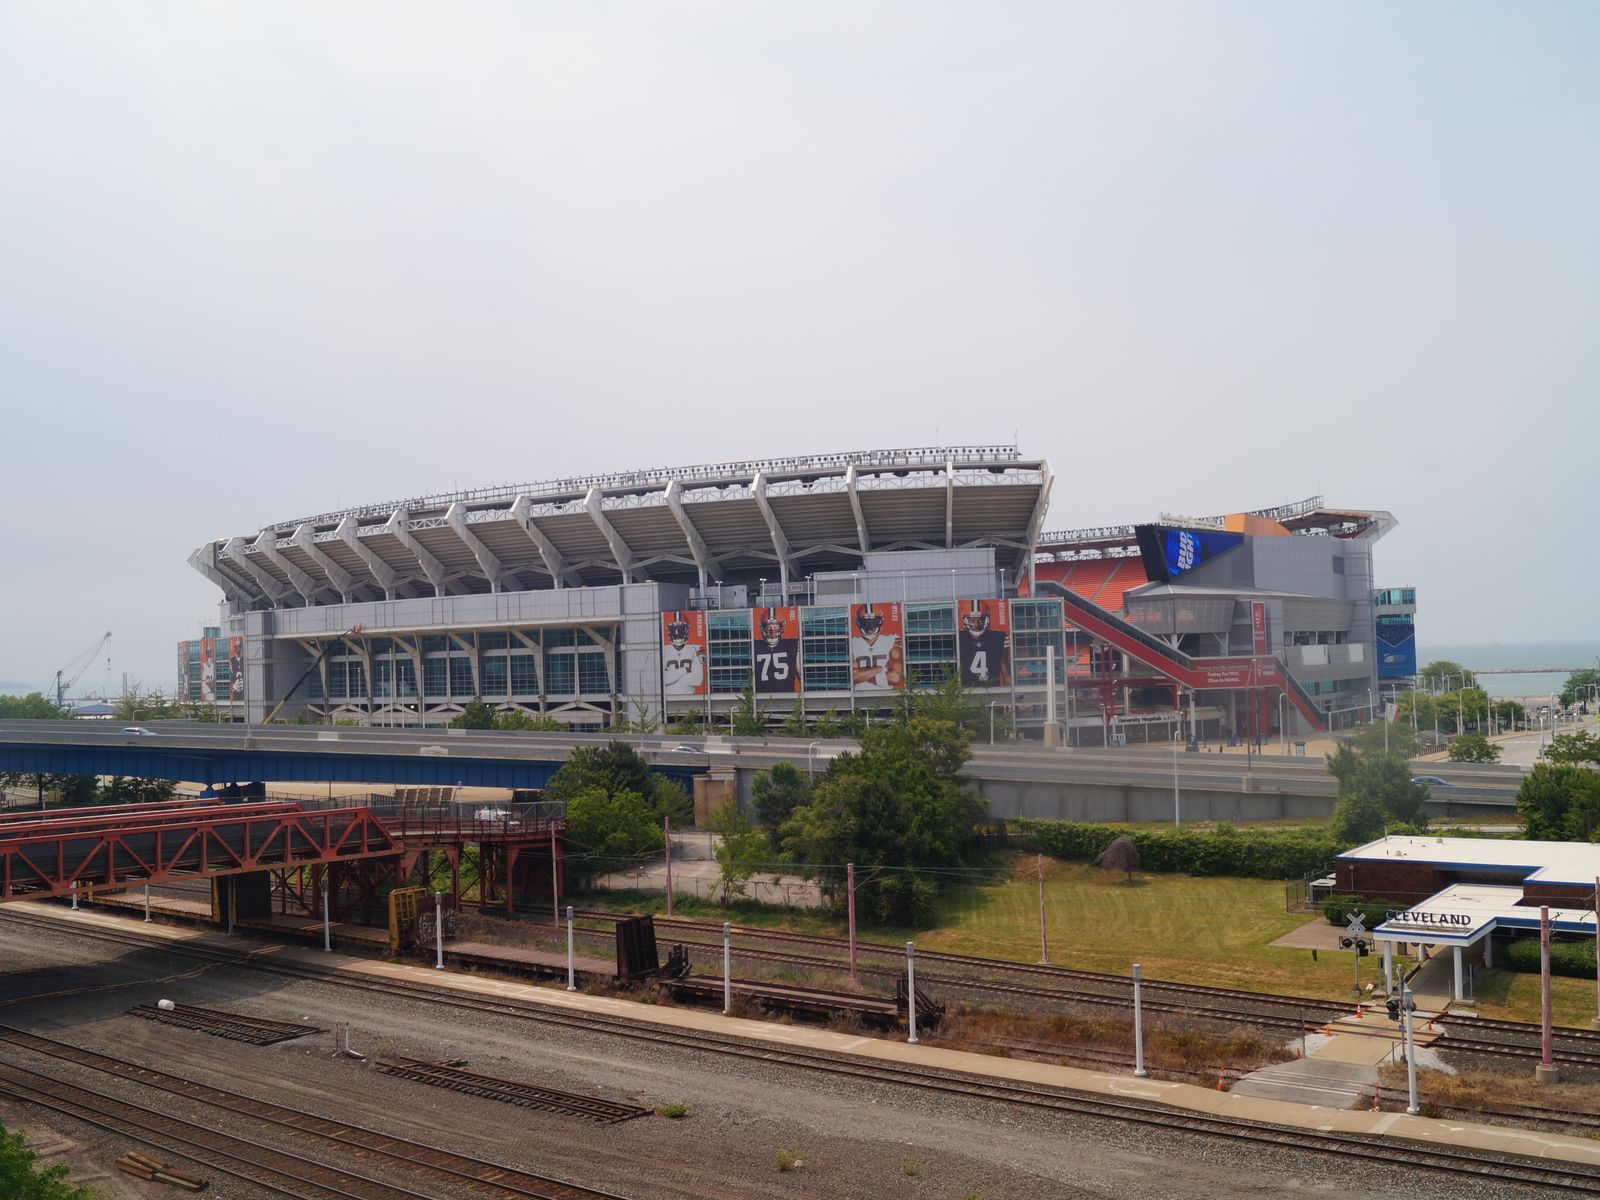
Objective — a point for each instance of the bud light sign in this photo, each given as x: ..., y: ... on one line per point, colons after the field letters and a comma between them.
x: 1169, y: 552
x: 1397, y: 649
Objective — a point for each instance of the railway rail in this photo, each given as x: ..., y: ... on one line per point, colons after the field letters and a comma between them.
x: 1500, y: 1168
x: 496, y: 1179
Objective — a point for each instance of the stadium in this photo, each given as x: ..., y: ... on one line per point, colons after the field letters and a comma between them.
x: 829, y: 582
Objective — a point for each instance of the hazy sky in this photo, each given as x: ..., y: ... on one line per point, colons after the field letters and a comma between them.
x: 263, y: 260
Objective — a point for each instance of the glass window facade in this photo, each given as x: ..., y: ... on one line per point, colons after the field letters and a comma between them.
x: 729, y: 634
x: 524, y: 678
x: 495, y: 675
x: 825, y: 649
x: 461, y: 678
x: 560, y: 674
x: 930, y: 643
x: 593, y: 678
x: 1035, y: 626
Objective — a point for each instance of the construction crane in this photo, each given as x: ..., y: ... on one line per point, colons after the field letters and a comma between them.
x: 353, y: 631
x: 69, y: 675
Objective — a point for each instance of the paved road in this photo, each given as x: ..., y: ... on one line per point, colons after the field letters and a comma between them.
x: 1147, y: 766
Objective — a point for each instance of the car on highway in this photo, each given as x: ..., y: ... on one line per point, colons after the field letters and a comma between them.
x: 1429, y: 780
x: 686, y: 750
x: 498, y: 816
x: 138, y: 730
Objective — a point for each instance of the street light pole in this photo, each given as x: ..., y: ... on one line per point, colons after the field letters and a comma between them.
x: 811, y: 772
x: 1177, y: 823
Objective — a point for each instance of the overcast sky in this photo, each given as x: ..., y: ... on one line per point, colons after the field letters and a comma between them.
x: 264, y: 260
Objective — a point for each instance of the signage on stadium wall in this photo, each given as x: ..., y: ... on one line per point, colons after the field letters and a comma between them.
x: 775, y: 651
x: 1397, y: 649
x: 182, y: 694
x: 208, y: 670
x: 877, y: 653
x: 1169, y: 553
x: 1258, y: 627
x: 983, y: 643
x: 236, y: 668
x: 683, y: 653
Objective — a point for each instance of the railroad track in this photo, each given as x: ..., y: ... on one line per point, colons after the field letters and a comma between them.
x: 352, y: 1139
x: 278, y: 1171
x: 1570, y: 1178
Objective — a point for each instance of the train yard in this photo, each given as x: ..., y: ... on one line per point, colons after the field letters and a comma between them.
x: 723, y: 1076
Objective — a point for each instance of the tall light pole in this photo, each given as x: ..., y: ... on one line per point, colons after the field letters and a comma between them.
x: 1176, y: 823
x: 992, y: 703
x: 811, y: 773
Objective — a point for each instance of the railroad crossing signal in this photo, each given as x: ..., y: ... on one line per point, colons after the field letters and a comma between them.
x: 1394, y: 1007
x: 1362, y: 946
x: 1357, y: 925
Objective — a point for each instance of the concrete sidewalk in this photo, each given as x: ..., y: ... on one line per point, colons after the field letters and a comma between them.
x: 1313, y: 1117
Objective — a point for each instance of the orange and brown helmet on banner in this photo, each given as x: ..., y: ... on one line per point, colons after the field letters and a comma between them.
x: 983, y: 642
x: 683, y: 652
x: 208, y: 670
x: 236, y: 667
x: 877, y: 656
x: 775, y: 652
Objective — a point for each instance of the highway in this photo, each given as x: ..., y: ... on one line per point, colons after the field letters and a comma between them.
x: 1139, y: 767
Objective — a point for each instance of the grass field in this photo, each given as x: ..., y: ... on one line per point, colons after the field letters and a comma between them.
x: 1197, y: 929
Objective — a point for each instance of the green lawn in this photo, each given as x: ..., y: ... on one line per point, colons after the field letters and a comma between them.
x: 1196, y: 929
x: 1202, y: 930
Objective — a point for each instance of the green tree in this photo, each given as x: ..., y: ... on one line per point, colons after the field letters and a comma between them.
x: 614, y: 767
x: 517, y: 721
x: 747, y: 718
x: 1376, y: 778
x: 619, y: 824
x: 741, y: 849
x: 32, y: 707
x: 1574, y: 749
x: 1402, y: 739
x: 688, y: 724
x: 1357, y: 817
x: 1559, y: 803
x: 900, y: 806
x: 476, y: 715
x: 120, y: 790
x: 794, y: 725
x: 1473, y: 748
x: 1439, y: 671
x: 139, y: 704
x: 827, y: 725
x: 777, y: 793
x: 21, y: 1178
x: 1577, y: 688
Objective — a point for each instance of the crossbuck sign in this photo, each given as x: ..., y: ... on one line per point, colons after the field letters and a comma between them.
x: 1357, y: 925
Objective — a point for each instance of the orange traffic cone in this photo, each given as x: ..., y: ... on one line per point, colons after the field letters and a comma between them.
x: 1375, y: 1107
x: 1220, y: 1088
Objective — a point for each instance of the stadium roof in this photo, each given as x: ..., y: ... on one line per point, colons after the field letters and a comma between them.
x: 1309, y: 516
x: 788, y: 517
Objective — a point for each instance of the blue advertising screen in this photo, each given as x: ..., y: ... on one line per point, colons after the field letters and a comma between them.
x: 1397, y: 649
x: 1169, y: 553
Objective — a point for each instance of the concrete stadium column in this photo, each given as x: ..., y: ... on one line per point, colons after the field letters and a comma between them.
x: 1458, y: 991
x: 1488, y: 951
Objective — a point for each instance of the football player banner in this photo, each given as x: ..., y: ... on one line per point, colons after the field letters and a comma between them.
x: 236, y: 667
x: 208, y: 670
x: 983, y: 643
x: 775, y: 652
x: 877, y: 658
x: 683, y: 653
x: 182, y: 694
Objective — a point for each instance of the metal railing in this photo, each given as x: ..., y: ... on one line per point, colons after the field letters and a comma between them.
x: 577, y: 486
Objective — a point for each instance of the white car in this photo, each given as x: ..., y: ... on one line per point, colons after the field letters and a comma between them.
x: 496, y: 815
x: 138, y: 730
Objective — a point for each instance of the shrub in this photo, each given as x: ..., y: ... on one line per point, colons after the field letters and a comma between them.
x: 1566, y: 958
x: 1338, y: 909
x: 676, y: 1110
x: 1276, y: 854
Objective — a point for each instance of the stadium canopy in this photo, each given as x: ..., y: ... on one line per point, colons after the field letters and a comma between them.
x: 785, y: 517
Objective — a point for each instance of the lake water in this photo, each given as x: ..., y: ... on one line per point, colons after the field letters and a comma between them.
x: 1582, y: 655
